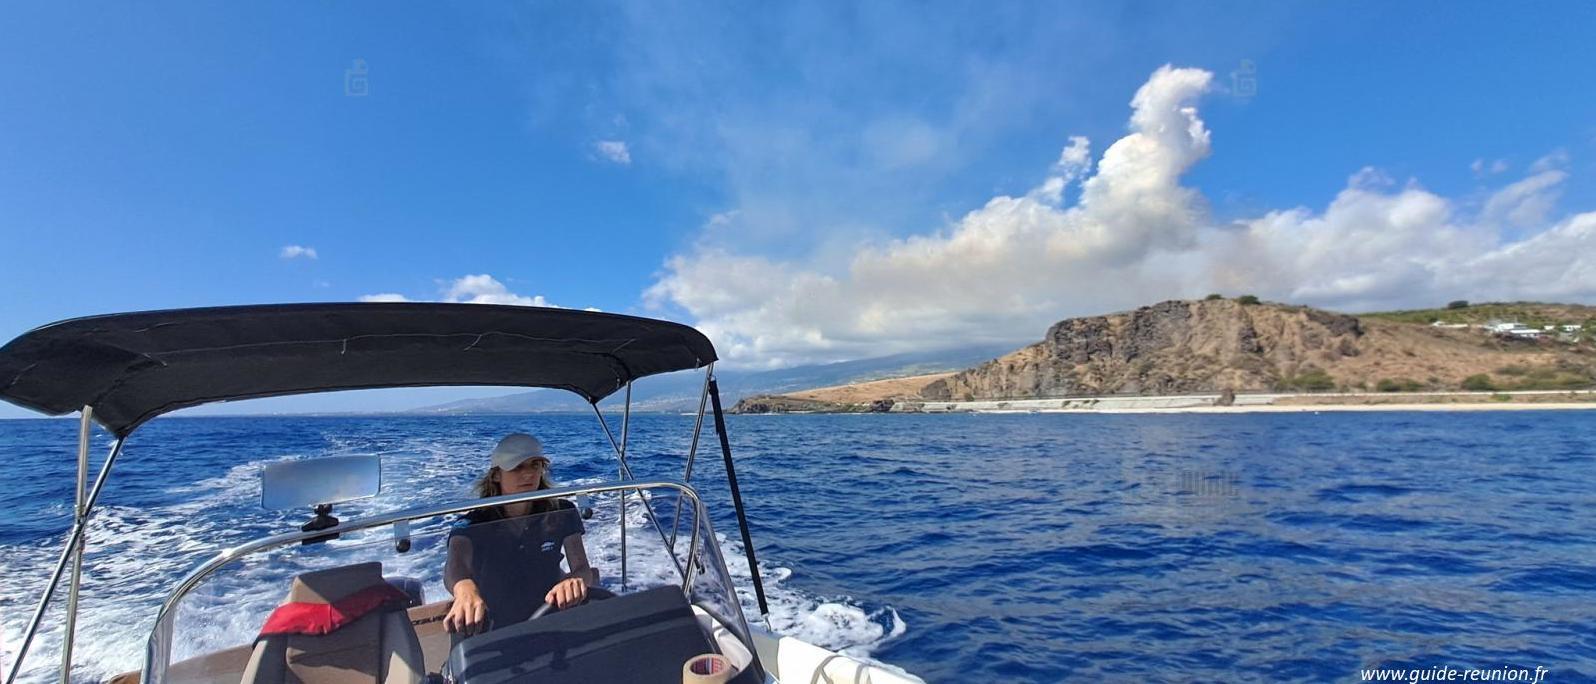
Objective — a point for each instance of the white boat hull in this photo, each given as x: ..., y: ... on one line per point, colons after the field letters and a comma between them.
x: 793, y: 661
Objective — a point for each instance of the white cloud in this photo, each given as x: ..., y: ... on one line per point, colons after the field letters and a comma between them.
x: 297, y: 252
x: 1483, y: 168
x: 1551, y: 162
x: 1526, y: 203
x: 1369, y: 248
x: 613, y: 150
x: 484, y: 289
x: 471, y: 289
x: 1073, y: 164
x: 384, y: 297
x: 1133, y: 235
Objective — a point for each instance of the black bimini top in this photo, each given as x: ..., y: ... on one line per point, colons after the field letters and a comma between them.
x: 133, y: 367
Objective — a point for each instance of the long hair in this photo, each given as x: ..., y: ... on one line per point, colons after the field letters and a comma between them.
x: 488, y: 486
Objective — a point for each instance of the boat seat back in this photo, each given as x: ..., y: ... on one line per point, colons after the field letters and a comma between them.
x: 380, y: 647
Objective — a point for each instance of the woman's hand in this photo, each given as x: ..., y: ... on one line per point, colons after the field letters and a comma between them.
x: 469, y: 614
x: 569, y: 592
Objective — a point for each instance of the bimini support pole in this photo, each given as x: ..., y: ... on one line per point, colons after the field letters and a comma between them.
x: 626, y: 474
x: 80, y: 516
x: 60, y: 566
x: 737, y: 501
x: 692, y: 453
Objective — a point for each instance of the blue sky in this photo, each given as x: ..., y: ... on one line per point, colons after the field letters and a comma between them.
x: 805, y: 183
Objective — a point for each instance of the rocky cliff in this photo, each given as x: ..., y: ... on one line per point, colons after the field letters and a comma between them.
x: 1215, y: 345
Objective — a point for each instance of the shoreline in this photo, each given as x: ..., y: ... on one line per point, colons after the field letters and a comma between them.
x: 1532, y: 400
x: 1527, y: 400
x: 1314, y: 408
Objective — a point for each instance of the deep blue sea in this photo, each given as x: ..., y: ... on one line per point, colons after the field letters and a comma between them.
x: 1023, y: 548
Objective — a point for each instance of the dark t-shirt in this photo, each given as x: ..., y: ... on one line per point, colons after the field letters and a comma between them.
x: 514, y: 561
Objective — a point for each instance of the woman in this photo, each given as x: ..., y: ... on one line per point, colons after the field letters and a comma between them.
x: 505, y: 563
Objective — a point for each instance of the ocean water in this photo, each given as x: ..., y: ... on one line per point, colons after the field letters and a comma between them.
x: 1025, y: 548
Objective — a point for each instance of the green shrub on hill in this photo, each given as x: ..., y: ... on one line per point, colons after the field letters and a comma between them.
x: 1247, y: 300
x: 1546, y: 378
x: 1320, y: 382
x: 1398, y: 385
x: 1479, y: 383
x: 1311, y: 380
x: 1561, y: 381
x: 1533, y: 314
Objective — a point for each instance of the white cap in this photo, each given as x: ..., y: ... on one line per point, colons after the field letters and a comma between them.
x: 515, y: 450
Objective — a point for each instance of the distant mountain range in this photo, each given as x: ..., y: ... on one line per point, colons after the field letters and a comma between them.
x: 676, y: 392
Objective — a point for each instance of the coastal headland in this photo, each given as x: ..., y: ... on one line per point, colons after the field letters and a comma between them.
x: 1227, y: 355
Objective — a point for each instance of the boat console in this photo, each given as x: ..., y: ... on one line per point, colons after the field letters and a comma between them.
x: 639, y: 638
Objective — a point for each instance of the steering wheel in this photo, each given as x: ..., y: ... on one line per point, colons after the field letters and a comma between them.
x: 593, y: 594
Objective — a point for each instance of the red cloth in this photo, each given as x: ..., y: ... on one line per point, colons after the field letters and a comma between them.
x: 326, y: 618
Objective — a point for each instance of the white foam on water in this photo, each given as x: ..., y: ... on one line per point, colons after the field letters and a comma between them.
x: 839, y: 624
x: 134, y: 557
x: 137, y: 556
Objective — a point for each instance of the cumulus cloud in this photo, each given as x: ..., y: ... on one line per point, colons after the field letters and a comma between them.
x: 613, y: 150
x: 1073, y: 163
x: 1131, y: 235
x: 297, y: 252
x: 484, y: 289
x: 471, y: 289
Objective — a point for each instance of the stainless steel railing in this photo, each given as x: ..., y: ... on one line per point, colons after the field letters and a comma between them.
x: 158, y: 649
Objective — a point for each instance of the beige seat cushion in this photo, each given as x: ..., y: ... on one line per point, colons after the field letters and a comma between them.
x: 380, y: 647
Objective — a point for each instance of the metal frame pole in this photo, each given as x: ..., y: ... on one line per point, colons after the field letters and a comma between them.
x: 80, y: 516
x: 692, y: 452
x: 737, y: 502
x: 626, y: 472
x: 60, y: 566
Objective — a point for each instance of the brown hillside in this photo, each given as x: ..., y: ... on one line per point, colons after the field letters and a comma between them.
x: 1207, y: 346
x: 875, y: 390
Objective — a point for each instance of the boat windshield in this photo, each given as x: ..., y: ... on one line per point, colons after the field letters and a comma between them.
x: 379, y: 598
